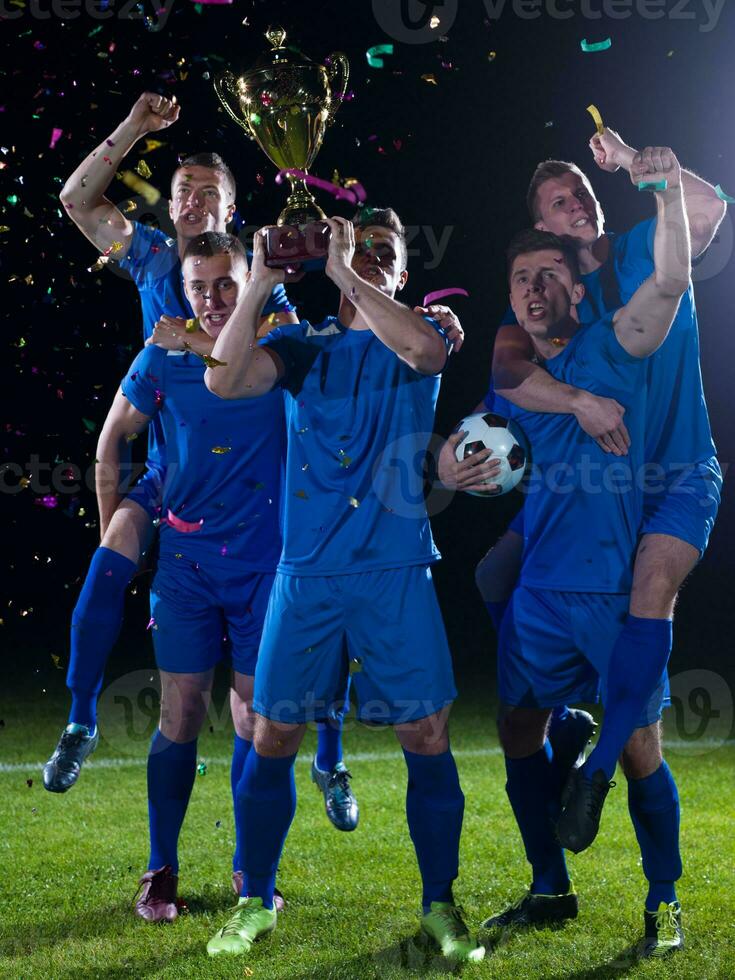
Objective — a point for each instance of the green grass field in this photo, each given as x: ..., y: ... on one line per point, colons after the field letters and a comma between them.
x: 70, y: 866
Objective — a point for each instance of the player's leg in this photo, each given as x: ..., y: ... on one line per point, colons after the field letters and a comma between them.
x: 653, y: 802
x: 328, y: 771
x: 396, y: 633
x: 95, y: 626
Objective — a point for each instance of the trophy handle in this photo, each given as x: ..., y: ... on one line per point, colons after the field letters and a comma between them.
x: 225, y: 85
x: 338, y: 71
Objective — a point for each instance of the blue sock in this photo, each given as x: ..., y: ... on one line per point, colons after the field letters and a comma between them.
x: 95, y: 624
x: 266, y: 803
x: 171, y: 771
x: 239, y: 754
x: 533, y: 791
x: 434, y: 810
x: 497, y: 611
x: 654, y: 809
x: 637, y: 662
x: 329, y: 744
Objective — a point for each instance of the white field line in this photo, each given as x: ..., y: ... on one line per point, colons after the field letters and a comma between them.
x: 705, y: 745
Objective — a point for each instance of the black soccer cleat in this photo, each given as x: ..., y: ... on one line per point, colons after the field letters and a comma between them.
x: 63, y: 768
x: 536, y: 910
x: 570, y: 738
x: 663, y: 931
x: 582, y: 800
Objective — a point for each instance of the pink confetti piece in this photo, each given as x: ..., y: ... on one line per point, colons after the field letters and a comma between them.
x: 185, y: 527
x: 56, y: 135
x: 441, y: 293
x: 151, y: 622
x: 354, y: 194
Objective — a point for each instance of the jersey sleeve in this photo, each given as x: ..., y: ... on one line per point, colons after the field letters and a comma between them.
x: 636, y: 246
x: 142, y: 385
x: 599, y: 356
x: 447, y: 342
x: 278, y: 302
x: 151, y: 255
x: 294, y: 351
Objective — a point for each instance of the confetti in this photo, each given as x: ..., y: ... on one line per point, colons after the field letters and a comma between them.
x: 372, y: 54
x: 491, y: 55
x: 192, y: 325
x: 354, y: 502
x: 431, y: 79
x: 434, y: 22
x: 210, y: 361
x: 130, y: 206
x: 653, y: 185
x: 595, y: 113
x: 56, y: 661
x: 441, y: 293
x: 202, y: 769
x: 589, y: 48
x: 301, y: 494
x: 221, y: 450
x: 185, y: 527
x: 355, y: 666
x: 150, y: 194
x: 723, y: 196
x: 56, y: 135
x: 143, y: 170
x: 354, y: 194
x: 151, y: 145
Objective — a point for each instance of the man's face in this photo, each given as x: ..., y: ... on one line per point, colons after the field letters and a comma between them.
x: 378, y: 259
x: 200, y: 201
x: 212, y: 286
x: 542, y: 291
x: 568, y: 206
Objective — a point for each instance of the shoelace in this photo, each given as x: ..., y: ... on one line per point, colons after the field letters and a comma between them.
x: 597, y: 798
x: 340, y: 784
x: 453, y: 918
x: 666, y: 924
x: 238, y: 920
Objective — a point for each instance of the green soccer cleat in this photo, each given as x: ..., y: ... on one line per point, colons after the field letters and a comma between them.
x: 664, y: 934
x: 445, y: 925
x: 249, y: 922
x: 536, y: 910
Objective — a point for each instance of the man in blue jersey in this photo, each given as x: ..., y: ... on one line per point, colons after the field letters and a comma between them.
x: 581, y: 520
x: 353, y: 582
x: 683, y: 480
x: 202, y: 199
x: 219, y: 545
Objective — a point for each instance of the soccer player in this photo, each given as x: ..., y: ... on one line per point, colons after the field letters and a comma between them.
x: 202, y: 199
x: 682, y: 486
x: 354, y: 578
x: 581, y: 521
x: 219, y: 544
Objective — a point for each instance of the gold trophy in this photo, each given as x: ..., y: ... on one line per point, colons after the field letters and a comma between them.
x: 285, y: 103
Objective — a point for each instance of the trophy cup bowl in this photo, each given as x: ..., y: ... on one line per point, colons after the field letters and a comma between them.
x: 285, y: 103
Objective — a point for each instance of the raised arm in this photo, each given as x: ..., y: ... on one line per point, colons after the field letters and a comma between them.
x: 643, y: 323
x: 83, y: 194
x: 406, y: 333
x: 122, y: 424
x: 529, y: 386
x: 705, y: 210
x: 247, y: 370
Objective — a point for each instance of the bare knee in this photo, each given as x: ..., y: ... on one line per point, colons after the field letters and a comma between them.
x: 522, y: 731
x: 642, y: 754
x: 497, y: 573
x: 425, y: 736
x: 661, y: 565
x: 276, y: 740
x: 129, y: 531
x: 184, y: 704
x: 241, y: 706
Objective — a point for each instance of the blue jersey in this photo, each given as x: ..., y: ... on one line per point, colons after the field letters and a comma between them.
x: 152, y: 260
x: 583, y: 507
x: 359, y: 421
x: 224, y: 463
x: 678, y: 432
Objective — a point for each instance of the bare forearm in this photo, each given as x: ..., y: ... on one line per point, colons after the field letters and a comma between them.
x: 235, y: 346
x: 87, y: 185
x: 538, y: 391
x: 672, y: 250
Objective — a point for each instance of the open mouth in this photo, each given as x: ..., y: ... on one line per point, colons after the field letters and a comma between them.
x: 581, y: 222
x: 193, y: 218
x: 217, y: 319
x: 536, y: 311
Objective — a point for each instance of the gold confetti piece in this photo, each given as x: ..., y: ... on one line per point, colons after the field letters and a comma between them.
x: 116, y: 247
x: 28, y: 280
x: 595, y: 113
x: 272, y: 319
x: 431, y: 79
x: 130, y: 206
x: 3, y: 229
x: 151, y: 145
x: 247, y: 971
x: 99, y: 264
x: 143, y: 169
x: 57, y: 661
x: 192, y: 325
x: 345, y: 461
x: 355, y: 666
x: 491, y: 55
x: 354, y: 502
x: 210, y: 361
x: 133, y: 435
x: 221, y: 450
x: 301, y: 494
x: 434, y: 22
x: 150, y: 194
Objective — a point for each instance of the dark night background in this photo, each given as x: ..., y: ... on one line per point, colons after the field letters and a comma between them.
x: 453, y: 155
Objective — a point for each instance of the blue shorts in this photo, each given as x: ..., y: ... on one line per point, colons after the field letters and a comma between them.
x: 516, y: 525
x: 687, y: 508
x: 384, y: 626
x: 194, y: 611
x: 555, y: 647
x: 148, y: 492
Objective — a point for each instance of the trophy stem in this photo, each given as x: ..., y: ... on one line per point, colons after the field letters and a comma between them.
x: 301, y: 208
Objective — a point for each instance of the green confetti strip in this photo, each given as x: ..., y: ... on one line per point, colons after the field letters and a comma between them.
x: 589, y: 48
x: 723, y: 196
x: 372, y: 54
x: 653, y: 185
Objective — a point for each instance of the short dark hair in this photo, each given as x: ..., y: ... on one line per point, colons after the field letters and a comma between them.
x: 548, y: 170
x: 383, y: 218
x: 212, y: 243
x: 212, y: 160
x: 532, y: 240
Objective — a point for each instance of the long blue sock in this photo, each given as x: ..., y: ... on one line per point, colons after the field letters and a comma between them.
x: 240, y: 751
x: 533, y: 791
x: 434, y: 809
x: 329, y: 744
x: 171, y: 771
x: 653, y: 803
x: 497, y: 611
x: 95, y: 624
x: 266, y: 803
x: 637, y: 662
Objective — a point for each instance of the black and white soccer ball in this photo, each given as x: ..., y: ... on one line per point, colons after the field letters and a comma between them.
x: 507, y: 442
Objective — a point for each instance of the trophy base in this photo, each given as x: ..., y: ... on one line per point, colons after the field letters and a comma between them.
x: 304, y: 247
